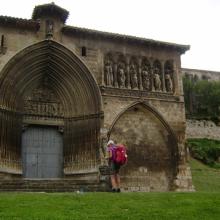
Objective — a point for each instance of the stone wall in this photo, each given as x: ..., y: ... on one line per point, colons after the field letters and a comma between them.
x: 201, y: 74
x: 202, y: 129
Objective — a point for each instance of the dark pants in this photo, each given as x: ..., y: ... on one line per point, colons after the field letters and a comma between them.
x: 114, y: 167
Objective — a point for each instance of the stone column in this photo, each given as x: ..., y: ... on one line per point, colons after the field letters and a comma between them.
x: 140, y: 85
x: 152, y: 75
x: 183, y: 180
x: 115, y: 75
x: 103, y: 142
x: 175, y: 78
x: 128, y: 78
x: 163, y: 76
x: 103, y: 70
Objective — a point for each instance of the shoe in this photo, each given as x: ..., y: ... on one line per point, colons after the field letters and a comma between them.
x: 114, y: 190
x: 118, y: 190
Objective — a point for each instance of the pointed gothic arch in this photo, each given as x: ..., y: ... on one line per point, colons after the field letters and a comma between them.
x: 50, y: 65
x: 152, y: 147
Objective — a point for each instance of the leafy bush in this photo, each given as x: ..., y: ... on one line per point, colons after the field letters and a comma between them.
x: 205, y: 150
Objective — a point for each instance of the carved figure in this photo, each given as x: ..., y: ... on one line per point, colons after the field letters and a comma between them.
x: 49, y: 28
x: 168, y: 83
x: 134, y: 78
x: 145, y: 79
x: 108, y: 74
x: 121, y: 77
x: 157, y: 80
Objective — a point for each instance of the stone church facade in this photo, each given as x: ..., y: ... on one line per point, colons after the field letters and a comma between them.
x: 64, y: 91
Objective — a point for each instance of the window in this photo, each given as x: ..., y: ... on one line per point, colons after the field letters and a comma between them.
x: 83, y: 52
x: 2, y: 40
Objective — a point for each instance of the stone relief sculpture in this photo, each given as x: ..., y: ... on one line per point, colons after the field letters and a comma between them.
x: 146, y: 78
x: 126, y: 76
x: 157, y: 80
x: 42, y: 101
x: 168, y: 77
x: 133, y: 75
x: 108, y: 71
x: 168, y: 83
x: 121, y: 76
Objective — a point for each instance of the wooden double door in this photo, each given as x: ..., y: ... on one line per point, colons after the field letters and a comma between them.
x: 42, y: 152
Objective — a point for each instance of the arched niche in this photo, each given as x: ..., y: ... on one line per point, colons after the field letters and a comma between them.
x: 169, y: 76
x: 122, y: 77
x: 146, y: 74
x: 109, y: 77
x: 157, y: 75
x: 133, y: 72
x: 152, y: 148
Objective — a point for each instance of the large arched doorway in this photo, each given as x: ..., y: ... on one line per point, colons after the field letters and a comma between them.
x: 152, y: 149
x: 46, y: 88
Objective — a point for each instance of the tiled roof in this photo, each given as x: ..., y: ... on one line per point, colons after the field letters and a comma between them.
x: 19, y: 22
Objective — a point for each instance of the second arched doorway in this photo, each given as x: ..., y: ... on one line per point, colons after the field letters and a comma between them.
x: 151, y: 149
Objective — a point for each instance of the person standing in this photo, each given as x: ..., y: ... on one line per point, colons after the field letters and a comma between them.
x: 114, y: 167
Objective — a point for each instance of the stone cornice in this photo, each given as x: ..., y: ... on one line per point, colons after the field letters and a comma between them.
x: 130, y: 39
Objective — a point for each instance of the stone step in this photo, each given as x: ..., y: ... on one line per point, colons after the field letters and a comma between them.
x: 62, y: 185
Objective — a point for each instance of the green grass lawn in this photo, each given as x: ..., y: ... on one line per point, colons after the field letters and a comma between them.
x: 106, y: 206
x: 203, y: 204
x: 205, y: 179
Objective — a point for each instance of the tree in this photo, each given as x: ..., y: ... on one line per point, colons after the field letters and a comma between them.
x: 202, y: 98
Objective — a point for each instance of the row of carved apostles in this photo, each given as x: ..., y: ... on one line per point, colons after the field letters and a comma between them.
x: 139, y: 75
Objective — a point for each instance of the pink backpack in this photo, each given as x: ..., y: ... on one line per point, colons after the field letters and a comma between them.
x: 120, y: 154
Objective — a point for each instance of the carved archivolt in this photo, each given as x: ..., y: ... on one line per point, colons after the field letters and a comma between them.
x: 134, y: 73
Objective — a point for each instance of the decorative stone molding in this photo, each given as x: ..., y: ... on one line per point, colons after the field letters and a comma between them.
x: 138, y: 94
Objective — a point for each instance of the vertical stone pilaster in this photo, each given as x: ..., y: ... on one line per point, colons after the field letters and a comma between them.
x: 152, y: 75
x: 128, y: 78
x: 140, y: 85
x: 103, y: 142
x: 175, y: 78
x: 103, y: 71
x: 115, y: 75
x: 163, y: 75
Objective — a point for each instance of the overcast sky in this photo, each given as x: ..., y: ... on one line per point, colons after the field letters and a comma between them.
x: 191, y: 22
